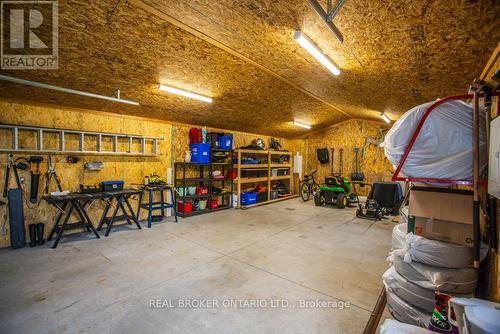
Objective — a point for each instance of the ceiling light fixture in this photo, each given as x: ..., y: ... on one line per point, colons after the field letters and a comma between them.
x: 302, y: 125
x: 310, y: 47
x: 385, y: 118
x: 185, y: 93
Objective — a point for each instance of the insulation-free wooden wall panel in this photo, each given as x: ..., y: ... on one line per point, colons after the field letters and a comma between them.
x: 131, y: 169
x: 347, y: 136
x: 396, y: 54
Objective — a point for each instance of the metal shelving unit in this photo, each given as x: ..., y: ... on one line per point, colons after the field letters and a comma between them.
x: 205, y: 178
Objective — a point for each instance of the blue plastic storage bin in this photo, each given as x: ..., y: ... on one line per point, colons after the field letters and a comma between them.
x: 115, y: 185
x: 248, y: 198
x: 200, y: 153
x: 225, y: 142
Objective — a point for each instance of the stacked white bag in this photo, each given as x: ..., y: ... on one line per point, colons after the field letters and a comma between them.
x: 443, y: 148
x: 420, y: 267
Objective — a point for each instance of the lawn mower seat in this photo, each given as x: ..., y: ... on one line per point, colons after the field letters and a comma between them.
x: 333, y: 181
x: 388, y: 195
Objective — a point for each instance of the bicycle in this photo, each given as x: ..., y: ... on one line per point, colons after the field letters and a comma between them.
x: 309, y: 186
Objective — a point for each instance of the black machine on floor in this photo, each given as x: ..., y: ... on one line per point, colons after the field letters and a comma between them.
x: 384, y: 199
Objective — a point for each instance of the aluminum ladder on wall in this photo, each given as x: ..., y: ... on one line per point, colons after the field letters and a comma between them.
x: 36, y: 134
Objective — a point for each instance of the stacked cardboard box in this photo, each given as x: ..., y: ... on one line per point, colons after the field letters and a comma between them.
x: 442, y: 214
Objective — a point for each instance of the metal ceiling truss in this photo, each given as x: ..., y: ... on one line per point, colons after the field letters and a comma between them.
x: 327, y: 17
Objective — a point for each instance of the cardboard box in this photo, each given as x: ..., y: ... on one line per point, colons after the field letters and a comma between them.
x: 457, y: 233
x: 442, y: 204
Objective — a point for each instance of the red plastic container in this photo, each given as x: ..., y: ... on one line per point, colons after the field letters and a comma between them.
x: 184, y: 207
x: 195, y: 136
x: 201, y: 190
x: 214, y: 204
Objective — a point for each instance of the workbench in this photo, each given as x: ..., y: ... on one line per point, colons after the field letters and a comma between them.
x: 67, y: 204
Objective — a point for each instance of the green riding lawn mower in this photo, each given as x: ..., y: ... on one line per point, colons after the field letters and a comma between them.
x: 336, y: 190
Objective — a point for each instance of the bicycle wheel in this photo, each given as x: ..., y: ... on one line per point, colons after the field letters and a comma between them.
x: 314, y: 188
x: 304, y: 192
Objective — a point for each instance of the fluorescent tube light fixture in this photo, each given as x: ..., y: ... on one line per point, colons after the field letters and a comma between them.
x: 385, y: 118
x: 185, y: 93
x: 302, y: 125
x: 310, y: 47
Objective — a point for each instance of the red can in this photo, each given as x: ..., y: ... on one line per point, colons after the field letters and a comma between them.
x: 184, y: 207
x: 214, y: 204
x: 201, y: 190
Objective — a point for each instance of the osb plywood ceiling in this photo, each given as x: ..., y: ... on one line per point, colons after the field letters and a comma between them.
x: 396, y: 54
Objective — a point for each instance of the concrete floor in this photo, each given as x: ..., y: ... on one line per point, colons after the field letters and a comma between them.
x: 282, y: 254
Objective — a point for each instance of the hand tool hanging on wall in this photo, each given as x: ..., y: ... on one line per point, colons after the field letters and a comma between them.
x: 357, y: 175
x: 35, y: 177
x: 10, y: 166
x: 51, y: 174
x: 341, y: 163
x: 333, y: 156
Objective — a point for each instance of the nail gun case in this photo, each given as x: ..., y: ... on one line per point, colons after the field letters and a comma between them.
x: 16, y: 218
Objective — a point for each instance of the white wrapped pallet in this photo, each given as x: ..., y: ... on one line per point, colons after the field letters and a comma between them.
x: 432, y: 252
x: 406, y: 313
x: 453, y: 281
x: 411, y: 293
x: 443, y: 149
x: 395, y: 327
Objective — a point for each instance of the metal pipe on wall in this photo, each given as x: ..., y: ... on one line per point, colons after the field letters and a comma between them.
x: 67, y: 90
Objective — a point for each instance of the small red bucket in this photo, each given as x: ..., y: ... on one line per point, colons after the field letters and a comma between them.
x: 184, y: 207
x: 214, y: 204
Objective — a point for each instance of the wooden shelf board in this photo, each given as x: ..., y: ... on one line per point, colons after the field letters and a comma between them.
x: 251, y: 166
x: 244, y: 150
x: 280, y: 153
x: 252, y: 179
x: 281, y: 177
x: 281, y: 166
x: 269, y: 202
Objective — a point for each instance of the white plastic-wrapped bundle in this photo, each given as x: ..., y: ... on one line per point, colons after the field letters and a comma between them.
x: 406, y: 313
x: 454, y: 281
x: 443, y: 148
x: 411, y: 293
x: 395, y: 327
x: 432, y: 252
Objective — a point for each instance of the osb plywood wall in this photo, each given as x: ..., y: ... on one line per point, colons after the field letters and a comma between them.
x: 131, y: 169
x: 181, y: 143
x: 347, y: 136
x: 180, y: 135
